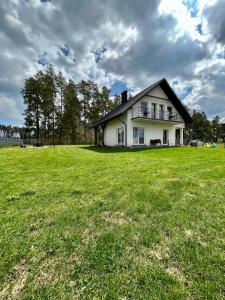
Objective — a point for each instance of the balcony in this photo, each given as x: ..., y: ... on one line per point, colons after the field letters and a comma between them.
x: 148, y: 113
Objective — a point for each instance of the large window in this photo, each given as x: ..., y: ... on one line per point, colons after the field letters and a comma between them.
x: 169, y: 109
x: 161, y: 111
x: 120, y: 136
x: 143, y: 109
x: 153, y: 110
x: 138, y: 136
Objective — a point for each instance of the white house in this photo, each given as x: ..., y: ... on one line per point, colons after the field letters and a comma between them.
x: 153, y: 117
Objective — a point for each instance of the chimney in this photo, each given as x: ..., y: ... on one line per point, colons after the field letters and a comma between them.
x: 124, y: 97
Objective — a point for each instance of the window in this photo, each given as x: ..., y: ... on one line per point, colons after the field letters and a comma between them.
x: 169, y: 109
x: 161, y: 111
x: 143, y: 108
x: 120, y: 136
x: 138, y: 136
x: 153, y: 110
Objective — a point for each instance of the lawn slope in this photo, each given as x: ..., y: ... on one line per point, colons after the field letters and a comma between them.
x: 88, y: 223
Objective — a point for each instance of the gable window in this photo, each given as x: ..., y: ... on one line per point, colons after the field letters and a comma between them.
x: 143, y: 108
x: 138, y: 136
x: 120, y: 136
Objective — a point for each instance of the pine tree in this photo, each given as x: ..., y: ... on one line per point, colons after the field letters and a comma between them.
x: 32, y: 99
x: 61, y: 84
x: 71, y: 116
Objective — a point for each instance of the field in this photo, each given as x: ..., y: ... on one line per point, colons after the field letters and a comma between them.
x: 97, y: 223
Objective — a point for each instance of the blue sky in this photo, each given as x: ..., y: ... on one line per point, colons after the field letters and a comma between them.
x: 121, y: 44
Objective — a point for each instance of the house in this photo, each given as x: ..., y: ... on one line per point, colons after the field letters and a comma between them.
x: 153, y: 117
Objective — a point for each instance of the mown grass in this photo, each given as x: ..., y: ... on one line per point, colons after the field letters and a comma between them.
x: 89, y: 223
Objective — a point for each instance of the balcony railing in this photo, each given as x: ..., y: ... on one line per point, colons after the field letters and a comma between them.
x: 155, y: 114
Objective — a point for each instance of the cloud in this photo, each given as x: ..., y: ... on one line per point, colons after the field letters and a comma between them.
x: 216, y: 21
x: 9, y: 110
x: 115, y: 41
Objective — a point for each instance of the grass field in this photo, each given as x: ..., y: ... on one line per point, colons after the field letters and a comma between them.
x: 89, y: 223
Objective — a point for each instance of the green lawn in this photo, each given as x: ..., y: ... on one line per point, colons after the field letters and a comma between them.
x: 88, y: 223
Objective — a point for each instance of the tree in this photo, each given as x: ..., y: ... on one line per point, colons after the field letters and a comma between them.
x: 216, y: 129
x: 71, y: 116
x: 85, y: 100
x: 32, y: 99
x: 61, y: 85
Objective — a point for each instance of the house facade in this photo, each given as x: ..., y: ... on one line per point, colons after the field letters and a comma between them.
x: 153, y: 117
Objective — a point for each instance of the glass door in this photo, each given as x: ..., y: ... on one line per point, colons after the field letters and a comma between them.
x: 165, y: 137
x: 120, y: 136
x: 138, y: 136
x: 177, y: 136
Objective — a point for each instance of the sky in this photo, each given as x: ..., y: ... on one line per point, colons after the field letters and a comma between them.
x: 123, y: 44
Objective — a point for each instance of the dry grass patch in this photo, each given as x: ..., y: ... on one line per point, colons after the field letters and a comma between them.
x: 118, y: 218
x: 15, y: 282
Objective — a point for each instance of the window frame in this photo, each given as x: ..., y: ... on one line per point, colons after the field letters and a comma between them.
x: 117, y: 135
x: 154, y: 109
x: 139, y: 128
x: 143, y: 110
x: 161, y: 111
x: 167, y: 142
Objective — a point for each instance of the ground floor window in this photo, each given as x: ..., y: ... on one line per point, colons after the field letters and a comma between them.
x: 138, y: 136
x: 120, y: 136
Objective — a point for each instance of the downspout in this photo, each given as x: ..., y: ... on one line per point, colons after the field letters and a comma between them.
x: 125, y: 124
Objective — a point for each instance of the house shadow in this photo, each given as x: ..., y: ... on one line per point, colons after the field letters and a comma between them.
x: 105, y: 149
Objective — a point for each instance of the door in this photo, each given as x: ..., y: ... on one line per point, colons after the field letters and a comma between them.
x: 143, y: 109
x: 138, y: 136
x: 177, y: 136
x: 153, y: 110
x: 169, y: 109
x: 165, y: 137
x: 120, y: 136
x: 161, y: 112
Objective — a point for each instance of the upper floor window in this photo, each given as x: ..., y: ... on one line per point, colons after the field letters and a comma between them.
x: 161, y: 111
x: 169, y: 109
x: 153, y: 110
x: 143, y: 108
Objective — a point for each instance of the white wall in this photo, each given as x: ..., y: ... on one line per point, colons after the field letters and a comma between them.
x: 110, y: 131
x: 152, y: 130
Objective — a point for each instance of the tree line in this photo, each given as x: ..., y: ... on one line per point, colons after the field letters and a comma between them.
x: 204, y: 129
x: 9, y: 131
x: 60, y: 111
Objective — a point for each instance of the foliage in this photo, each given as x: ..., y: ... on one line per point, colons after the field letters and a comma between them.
x: 204, y: 129
x: 60, y: 110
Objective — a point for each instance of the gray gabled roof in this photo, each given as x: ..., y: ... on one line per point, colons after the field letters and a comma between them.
x: 120, y: 109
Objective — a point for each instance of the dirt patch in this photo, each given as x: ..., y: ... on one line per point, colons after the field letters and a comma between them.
x: 15, y: 282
